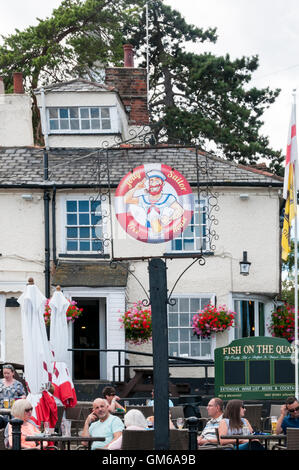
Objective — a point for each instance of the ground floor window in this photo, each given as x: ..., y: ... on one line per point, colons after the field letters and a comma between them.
x: 250, y: 319
x: 180, y: 334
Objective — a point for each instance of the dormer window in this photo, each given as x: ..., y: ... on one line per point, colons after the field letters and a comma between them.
x: 87, y: 120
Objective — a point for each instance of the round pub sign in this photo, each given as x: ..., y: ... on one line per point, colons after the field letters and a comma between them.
x: 154, y: 203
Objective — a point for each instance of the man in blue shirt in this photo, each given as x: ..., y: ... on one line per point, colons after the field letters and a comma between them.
x: 151, y: 402
x: 100, y: 423
x: 289, y: 417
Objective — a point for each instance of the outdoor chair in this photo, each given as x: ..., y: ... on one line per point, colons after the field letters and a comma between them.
x: 144, y: 440
x: 74, y: 415
x: 274, y: 411
x: 2, y: 444
x: 203, y: 411
x: 292, y: 440
x: 254, y: 415
x: 176, y: 412
x: 146, y: 410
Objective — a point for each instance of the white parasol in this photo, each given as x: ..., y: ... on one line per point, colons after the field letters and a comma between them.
x: 63, y: 384
x: 37, y: 355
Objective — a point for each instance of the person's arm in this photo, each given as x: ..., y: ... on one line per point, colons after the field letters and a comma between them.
x: 91, y: 418
x: 283, y: 413
x: 114, y: 405
x: 116, y: 435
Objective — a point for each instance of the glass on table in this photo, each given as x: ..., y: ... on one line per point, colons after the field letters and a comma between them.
x: 180, y: 423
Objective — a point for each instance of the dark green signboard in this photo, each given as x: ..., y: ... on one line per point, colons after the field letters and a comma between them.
x: 255, y: 368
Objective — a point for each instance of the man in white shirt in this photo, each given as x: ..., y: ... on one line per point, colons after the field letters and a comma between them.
x: 215, y: 412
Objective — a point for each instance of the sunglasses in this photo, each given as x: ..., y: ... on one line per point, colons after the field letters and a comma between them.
x: 112, y: 394
x: 293, y: 410
x: 8, y: 366
x: 28, y: 409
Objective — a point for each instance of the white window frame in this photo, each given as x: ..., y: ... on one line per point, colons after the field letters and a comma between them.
x: 114, y: 128
x: 256, y: 299
x: 81, y: 197
x: 212, y: 340
x: 185, y: 235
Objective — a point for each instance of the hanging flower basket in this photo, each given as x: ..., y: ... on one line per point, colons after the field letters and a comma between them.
x: 283, y: 322
x: 72, y: 313
x: 212, y: 320
x: 137, y: 322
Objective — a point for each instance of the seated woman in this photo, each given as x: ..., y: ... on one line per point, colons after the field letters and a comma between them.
x: 109, y: 393
x: 10, y: 388
x: 233, y: 422
x: 22, y: 409
x: 134, y: 420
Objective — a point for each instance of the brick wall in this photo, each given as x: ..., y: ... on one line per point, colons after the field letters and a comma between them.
x: 131, y: 85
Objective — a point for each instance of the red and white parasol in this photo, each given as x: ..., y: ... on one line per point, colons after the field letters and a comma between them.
x: 63, y: 385
x: 37, y: 354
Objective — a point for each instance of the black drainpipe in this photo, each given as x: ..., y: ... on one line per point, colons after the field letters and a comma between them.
x: 47, y: 229
x: 54, y: 225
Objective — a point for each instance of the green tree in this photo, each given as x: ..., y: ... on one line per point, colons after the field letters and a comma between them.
x: 202, y: 98
x: 76, y: 40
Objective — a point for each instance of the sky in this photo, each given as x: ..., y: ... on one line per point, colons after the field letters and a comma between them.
x: 267, y: 28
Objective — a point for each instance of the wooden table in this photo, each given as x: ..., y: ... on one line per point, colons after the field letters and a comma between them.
x: 260, y: 437
x: 63, y: 439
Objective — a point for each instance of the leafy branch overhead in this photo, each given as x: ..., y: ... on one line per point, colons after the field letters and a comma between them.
x: 195, y: 97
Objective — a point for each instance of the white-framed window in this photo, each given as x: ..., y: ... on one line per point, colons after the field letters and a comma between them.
x: 250, y: 317
x: 195, y: 236
x: 84, y: 119
x: 83, y: 225
x: 181, y: 340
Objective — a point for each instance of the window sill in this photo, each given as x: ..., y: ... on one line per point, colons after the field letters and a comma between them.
x: 81, y: 255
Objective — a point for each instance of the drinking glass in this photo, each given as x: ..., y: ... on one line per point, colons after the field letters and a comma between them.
x: 180, y: 423
x: 273, y: 424
x: 47, y: 428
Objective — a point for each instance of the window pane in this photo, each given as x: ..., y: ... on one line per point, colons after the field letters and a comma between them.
x: 184, y: 319
x: 194, y: 305
x: 85, y: 124
x: 94, y: 112
x: 105, y: 113
x: 184, y: 334
x: 84, y: 246
x: 71, y: 206
x: 95, y: 206
x: 63, y: 113
x: 173, y: 349
x: 195, y: 349
x: 84, y: 232
x: 95, y: 124
x: 64, y: 124
x: 175, y: 306
x: 173, y: 319
x: 97, y: 245
x: 72, y: 232
x: 205, y: 348
x: 53, y: 113
x: 53, y: 125
x: 83, y: 219
x: 173, y: 335
x: 84, y: 113
x: 71, y: 219
x: 74, y: 113
x: 106, y: 124
x: 188, y: 244
x: 72, y: 246
x: 184, y: 305
x: 84, y: 206
x: 75, y: 124
x: 184, y: 349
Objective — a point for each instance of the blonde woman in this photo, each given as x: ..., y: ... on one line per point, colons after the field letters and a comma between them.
x: 22, y: 409
x: 133, y: 420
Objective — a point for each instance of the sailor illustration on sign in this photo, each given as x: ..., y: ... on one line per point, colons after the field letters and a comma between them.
x: 160, y: 208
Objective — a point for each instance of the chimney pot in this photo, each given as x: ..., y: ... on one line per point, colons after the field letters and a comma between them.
x: 128, y: 55
x: 18, y: 82
x: 2, y: 88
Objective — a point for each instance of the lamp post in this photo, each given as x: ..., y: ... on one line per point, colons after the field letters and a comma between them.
x: 244, y: 265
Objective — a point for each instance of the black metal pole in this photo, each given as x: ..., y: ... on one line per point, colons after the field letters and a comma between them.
x: 16, y: 433
x: 192, y: 424
x: 158, y: 298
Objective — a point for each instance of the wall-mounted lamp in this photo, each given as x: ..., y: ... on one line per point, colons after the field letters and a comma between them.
x: 244, y: 196
x: 12, y: 302
x: 128, y: 108
x: 27, y: 197
x: 244, y: 265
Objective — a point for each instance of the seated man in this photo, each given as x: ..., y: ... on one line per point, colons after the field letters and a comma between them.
x: 100, y: 423
x: 215, y: 411
x: 289, y: 417
x: 109, y: 393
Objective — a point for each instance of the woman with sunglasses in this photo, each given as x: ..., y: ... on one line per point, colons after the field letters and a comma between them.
x: 22, y: 409
x: 109, y: 393
x: 289, y: 415
x: 10, y: 388
x: 233, y: 422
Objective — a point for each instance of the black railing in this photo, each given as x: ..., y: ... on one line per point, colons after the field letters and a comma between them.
x: 173, y: 361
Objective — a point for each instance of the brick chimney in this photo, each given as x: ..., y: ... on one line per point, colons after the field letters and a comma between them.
x: 131, y: 85
x: 18, y: 83
x: 2, y: 87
